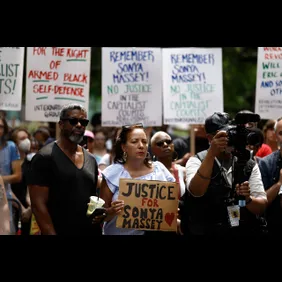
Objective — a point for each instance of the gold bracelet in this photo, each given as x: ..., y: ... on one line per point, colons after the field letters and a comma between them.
x: 203, y: 177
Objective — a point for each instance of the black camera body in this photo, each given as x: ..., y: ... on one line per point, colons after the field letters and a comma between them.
x: 239, y: 136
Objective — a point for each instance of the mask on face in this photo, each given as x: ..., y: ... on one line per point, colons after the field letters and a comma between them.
x: 24, y: 145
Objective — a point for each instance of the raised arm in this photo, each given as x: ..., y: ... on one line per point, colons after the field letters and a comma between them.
x: 199, y: 180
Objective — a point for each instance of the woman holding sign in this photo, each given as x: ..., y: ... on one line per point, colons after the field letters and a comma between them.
x: 132, y: 161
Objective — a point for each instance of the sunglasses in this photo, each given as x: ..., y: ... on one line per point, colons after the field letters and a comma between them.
x: 161, y: 143
x: 132, y: 125
x: 74, y: 121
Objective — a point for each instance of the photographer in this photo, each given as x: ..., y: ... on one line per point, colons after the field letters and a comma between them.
x: 211, y: 202
x: 271, y: 172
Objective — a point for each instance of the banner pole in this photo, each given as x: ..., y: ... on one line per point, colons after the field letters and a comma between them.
x: 192, y: 140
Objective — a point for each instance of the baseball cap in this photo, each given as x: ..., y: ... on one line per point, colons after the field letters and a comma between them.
x: 89, y: 133
x: 216, y: 122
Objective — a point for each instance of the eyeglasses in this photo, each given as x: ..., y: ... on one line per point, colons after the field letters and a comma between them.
x: 161, y: 143
x: 132, y: 125
x: 74, y: 121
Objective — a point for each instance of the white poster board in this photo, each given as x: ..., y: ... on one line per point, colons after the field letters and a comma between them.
x: 269, y: 83
x: 11, y: 78
x: 56, y: 76
x: 192, y: 84
x: 131, y: 86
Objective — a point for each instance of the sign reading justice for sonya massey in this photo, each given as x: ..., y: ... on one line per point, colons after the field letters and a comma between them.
x: 148, y: 205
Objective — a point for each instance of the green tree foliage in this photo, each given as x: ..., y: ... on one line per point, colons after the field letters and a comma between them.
x: 239, y: 78
x: 95, y: 82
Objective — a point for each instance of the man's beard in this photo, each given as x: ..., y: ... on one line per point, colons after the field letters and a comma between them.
x: 75, y: 138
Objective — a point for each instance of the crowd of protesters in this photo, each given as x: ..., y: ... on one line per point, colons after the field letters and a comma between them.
x: 51, y: 179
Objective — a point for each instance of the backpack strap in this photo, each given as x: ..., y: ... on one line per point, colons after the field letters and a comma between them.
x: 201, y: 155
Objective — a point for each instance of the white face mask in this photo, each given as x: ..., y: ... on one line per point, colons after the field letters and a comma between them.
x: 24, y: 145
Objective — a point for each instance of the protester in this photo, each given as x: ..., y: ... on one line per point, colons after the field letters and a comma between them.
x: 42, y: 135
x: 4, y: 211
x: 163, y: 150
x: 131, y: 161
x: 108, y: 158
x: 10, y: 165
x: 182, y: 145
x: 269, y: 135
x: 89, y: 135
x: 21, y: 137
x: 62, y: 177
x: 271, y: 171
x: 211, y: 204
x: 99, y: 148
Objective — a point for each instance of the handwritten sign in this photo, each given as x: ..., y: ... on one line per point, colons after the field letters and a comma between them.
x: 11, y: 78
x: 148, y: 205
x: 131, y: 86
x: 269, y: 83
x: 192, y: 84
x: 56, y: 76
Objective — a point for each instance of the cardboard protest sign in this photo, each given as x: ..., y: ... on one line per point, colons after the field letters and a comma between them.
x: 34, y: 228
x: 56, y: 76
x: 269, y: 83
x: 11, y: 78
x: 131, y: 86
x: 148, y: 205
x: 192, y: 84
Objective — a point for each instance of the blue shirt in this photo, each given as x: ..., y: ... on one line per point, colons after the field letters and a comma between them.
x: 112, y: 175
x: 8, y: 154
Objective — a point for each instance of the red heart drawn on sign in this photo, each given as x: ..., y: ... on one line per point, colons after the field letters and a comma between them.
x: 169, y: 217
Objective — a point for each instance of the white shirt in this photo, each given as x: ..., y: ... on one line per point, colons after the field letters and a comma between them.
x: 255, y: 181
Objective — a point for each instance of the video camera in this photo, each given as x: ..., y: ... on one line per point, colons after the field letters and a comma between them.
x: 239, y: 135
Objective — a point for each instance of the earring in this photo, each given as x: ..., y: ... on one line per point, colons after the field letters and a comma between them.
x: 148, y: 156
x: 124, y: 157
x: 176, y: 156
x: 154, y: 158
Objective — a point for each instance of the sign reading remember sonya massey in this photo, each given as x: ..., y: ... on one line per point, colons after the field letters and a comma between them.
x: 56, y: 76
x: 131, y: 86
x: 192, y: 84
x: 148, y: 205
